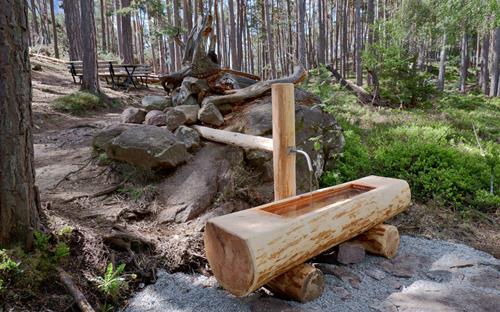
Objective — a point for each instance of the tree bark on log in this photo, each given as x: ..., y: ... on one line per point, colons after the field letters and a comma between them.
x: 382, y: 240
x: 19, y: 204
x: 236, y: 139
x: 255, y: 90
x: 80, y: 299
x: 303, y: 283
x: 249, y: 248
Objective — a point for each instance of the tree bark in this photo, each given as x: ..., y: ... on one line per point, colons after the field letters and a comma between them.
x: 126, y: 35
x: 485, y: 73
x: 270, y: 38
x: 495, y: 66
x: 35, y: 30
x: 464, y: 62
x: 370, y: 20
x: 54, y: 28
x: 301, y: 43
x: 232, y: 35
x: 72, y: 20
x: 90, y: 80
x: 19, y: 204
x: 442, y: 64
x: 321, y: 36
x: 119, y: 28
x: 103, y: 26
x: 358, y: 43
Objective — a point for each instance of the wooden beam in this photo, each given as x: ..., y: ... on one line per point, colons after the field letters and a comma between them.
x: 283, y: 107
x: 234, y: 138
x: 382, y: 240
x: 303, y: 283
x: 249, y: 248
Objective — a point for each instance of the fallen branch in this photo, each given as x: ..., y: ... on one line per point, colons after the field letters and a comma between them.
x: 70, y: 286
x: 255, y: 90
x: 109, y: 190
x: 72, y: 172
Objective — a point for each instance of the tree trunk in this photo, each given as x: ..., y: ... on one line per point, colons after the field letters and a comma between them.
x: 103, y: 26
x: 301, y: 46
x: 270, y: 38
x: 370, y: 20
x: 358, y: 44
x: 442, y: 64
x: 19, y: 202
x: 126, y: 35
x: 72, y: 20
x: 188, y: 22
x: 35, y: 30
x: 343, y: 70
x: 321, y: 36
x: 177, y: 23
x: 90, y: 80
x: 54, y: 29
x: 119, y: 28
x: 232, y: 35
x: 495, y: 67
x: 485, y: 63
x: 464, y: 62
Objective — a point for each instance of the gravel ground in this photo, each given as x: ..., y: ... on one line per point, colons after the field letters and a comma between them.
x: 427, y: 275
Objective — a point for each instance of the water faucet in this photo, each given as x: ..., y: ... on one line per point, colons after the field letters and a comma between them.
x: 299, y: 151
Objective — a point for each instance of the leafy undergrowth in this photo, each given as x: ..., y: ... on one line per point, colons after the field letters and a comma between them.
x: 81, y: 102
x: 447, y: 150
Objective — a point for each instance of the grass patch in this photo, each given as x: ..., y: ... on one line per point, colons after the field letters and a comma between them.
x: 81, y: 102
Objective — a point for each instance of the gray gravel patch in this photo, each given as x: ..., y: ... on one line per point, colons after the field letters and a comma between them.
x: 427, y: 275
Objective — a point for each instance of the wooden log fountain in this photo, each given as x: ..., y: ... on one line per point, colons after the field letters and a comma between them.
x: 249, y: 248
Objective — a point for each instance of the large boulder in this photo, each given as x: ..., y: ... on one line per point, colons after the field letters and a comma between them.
x: 105, y: 136
x: 155, y: 118
x: 209, y: 114
x: 156, y: 102
x: 190, y: 111
x: 174, y: 118
x: 317, y: 133
x: 193, y: 188
x: 189, y: 137
x: 133, y: 115
x: 147, y: 147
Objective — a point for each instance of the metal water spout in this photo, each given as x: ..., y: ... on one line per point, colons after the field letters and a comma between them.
x: 299, y: 151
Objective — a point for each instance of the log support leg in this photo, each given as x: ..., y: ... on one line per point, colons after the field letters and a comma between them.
x: 382, y: 240
x: 302, y: 283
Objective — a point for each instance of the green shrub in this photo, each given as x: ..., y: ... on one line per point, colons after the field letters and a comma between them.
x: 114, y: 282
x: 78, y: 103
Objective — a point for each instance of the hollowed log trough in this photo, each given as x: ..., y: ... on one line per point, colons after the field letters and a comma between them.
x: 247, y: 249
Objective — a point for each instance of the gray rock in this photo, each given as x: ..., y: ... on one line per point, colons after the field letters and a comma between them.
x: 155, y: 118
x: 105, y: 136
x: 317, y: 133
x: 341, y: 292
x: 133, y: 115
x: 209, y: 114
x: 342, y: 273
x: 376, y: 274
x: 156, y: 102
x: 196, y: 86
x: 174, y: 118
x: 189, y: 137
x: 193, y: 187
x: 190, y: 111
x: 183, y: 96
x: 350, y: 252
x: 404, y: 265
x: 147, y: 147
x: 270, y: 304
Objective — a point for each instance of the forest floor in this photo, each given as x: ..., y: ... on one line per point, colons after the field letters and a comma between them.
x: 68, y: 175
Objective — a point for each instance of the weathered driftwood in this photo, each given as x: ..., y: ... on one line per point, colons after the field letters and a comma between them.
x: 255, y: 90
x: 197, y: 60
x: 80, y: 299
x: 303, y: 283
x: 234, y: 138
x: 249, y: 248
x: 382, y: 239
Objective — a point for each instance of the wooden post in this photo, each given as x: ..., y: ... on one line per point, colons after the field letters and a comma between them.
x: 382, y: 240
x: 283, y: 101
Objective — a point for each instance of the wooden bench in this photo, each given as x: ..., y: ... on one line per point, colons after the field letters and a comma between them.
x: 104, y: 70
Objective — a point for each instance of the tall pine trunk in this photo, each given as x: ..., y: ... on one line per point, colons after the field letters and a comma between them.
x: 126, y: 35
x: 103, y: 26
x: 301, y: 42
x: 464, y: 62
x: 442, y: 64
x: 485, y: 73
x: 54, y: 28
x: 72, y: 20
x: 35, y: 31
x: 90, y: 80
x: 19, y: 204
x: 358, y: 43
x: 270, y: 38
x: 495, y: 68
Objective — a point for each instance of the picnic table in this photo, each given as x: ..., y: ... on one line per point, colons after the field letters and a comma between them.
x: 131, y: 74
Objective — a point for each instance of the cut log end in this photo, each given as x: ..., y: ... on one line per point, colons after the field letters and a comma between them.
x: 225, y: 250
x: 382, y: 239
x: 302, y: 283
